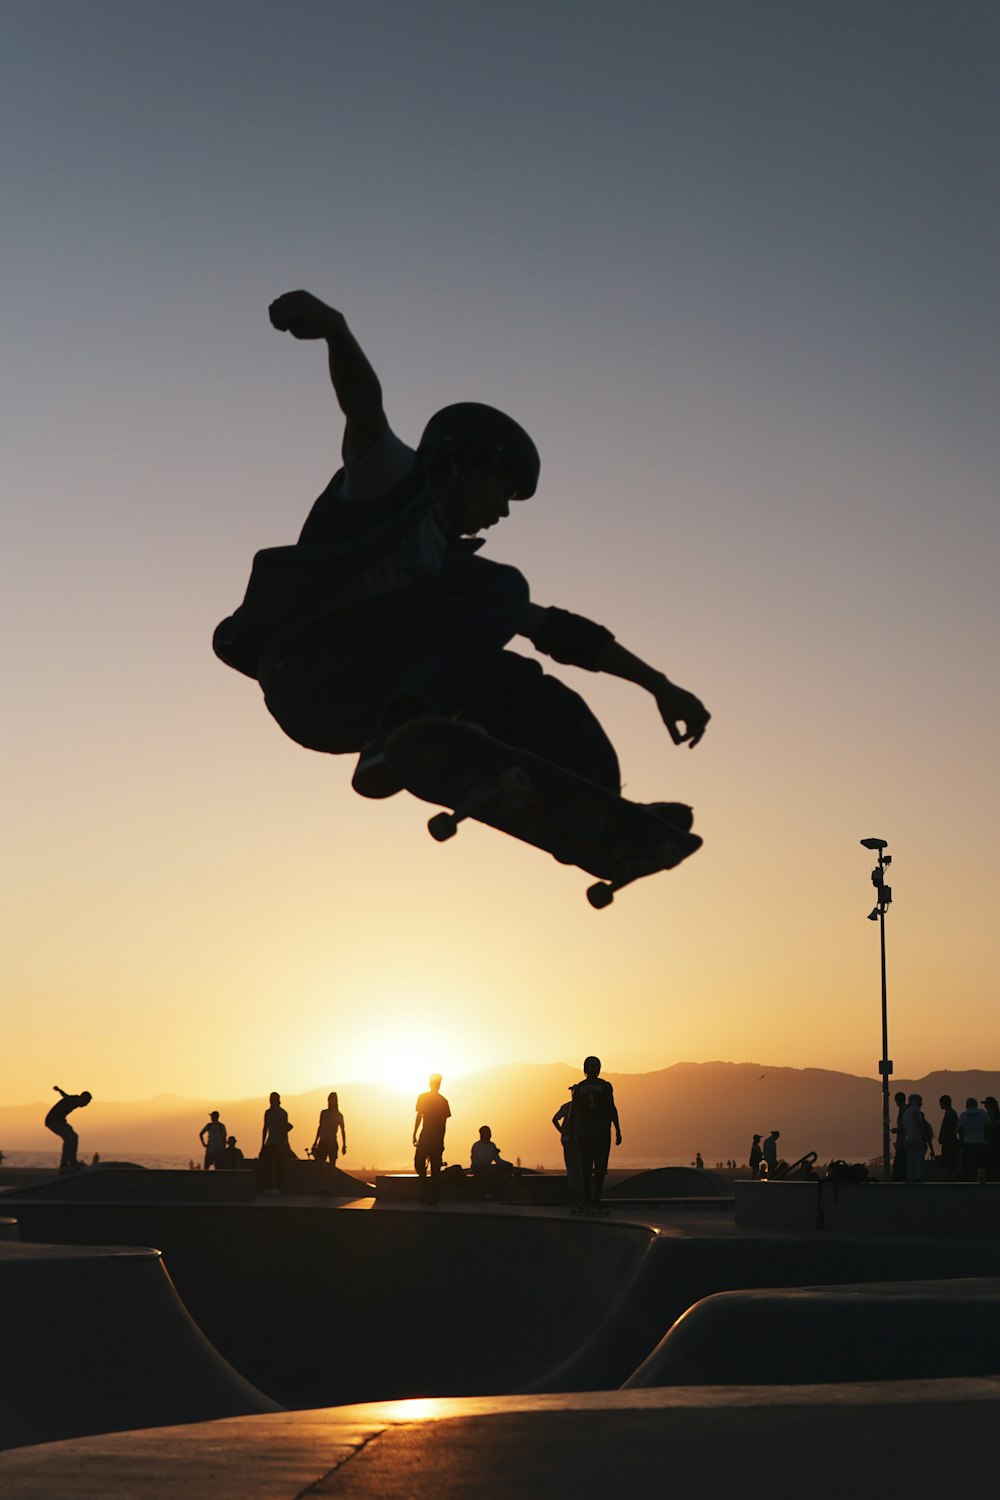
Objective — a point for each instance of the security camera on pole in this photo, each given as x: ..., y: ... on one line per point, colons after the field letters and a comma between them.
x: 883, y: 894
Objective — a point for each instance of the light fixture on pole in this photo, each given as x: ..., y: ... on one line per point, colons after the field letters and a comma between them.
x: 883, y: 894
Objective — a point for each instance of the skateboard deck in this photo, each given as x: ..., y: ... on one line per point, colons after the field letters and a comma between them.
x: 461, y: 767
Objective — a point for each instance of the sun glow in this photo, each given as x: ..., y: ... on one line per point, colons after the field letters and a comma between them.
x: 404, y: 1058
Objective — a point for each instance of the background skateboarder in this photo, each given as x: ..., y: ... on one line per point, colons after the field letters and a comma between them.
x: 407, y: 619
x: 57, y: 1122
x: 433, y: 1113
x: 595, y: 1111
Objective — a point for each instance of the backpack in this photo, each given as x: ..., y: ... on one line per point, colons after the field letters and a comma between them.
x: 290, y: 588
x: 847, y: 1171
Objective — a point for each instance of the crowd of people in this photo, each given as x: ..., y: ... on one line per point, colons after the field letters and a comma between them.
x: 968, y: 1142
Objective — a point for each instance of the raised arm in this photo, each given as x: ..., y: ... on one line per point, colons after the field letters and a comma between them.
x: 355, y: 384
x: 578, y: 642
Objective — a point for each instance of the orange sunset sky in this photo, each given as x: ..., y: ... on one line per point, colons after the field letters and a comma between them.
x: 734, y: 267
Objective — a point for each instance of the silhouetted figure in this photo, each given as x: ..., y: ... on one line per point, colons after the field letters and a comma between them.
x: 992, y: 1129
x: 594, y: 1106
x: 699, y: 1161
x: 383, y: 612
x: 916, y: 1133
x: 433, y: 1113
x: 564, y: 1120
x: 972, y: 1135
x: 769, y: 1153
x: 324, y: 1147
x: 491, y: 1172
x: 232, y: 1156
x: 756, y: 1157
x: 274, y: 1147
x: 57, y: 1122
x: 213, y: 1137
x: 899, y: 1140
x: 948, y: 1139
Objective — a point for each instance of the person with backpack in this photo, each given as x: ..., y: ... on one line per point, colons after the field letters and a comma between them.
x: 595, y: 1112
x: 383, y: 611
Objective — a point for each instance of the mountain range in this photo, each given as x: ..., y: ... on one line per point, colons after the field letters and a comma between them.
x: 666, y: 1116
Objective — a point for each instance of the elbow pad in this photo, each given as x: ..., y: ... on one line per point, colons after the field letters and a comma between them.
x: 571, y: 639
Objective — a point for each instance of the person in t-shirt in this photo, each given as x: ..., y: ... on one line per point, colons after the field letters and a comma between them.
x: 423, y: 624
x: 972, y: 1134
x: 489, y: 1169
x: 213, y: 1137
x: 274, y: 1147
x: 433, y: 1113
x: 57, y: 1122
x: 232, y: 1156
x: 324, y: 1147
x: 595, y: 1111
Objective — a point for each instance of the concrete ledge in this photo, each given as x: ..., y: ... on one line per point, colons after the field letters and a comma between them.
x: 951, y: 1208
x: 929, y: 1437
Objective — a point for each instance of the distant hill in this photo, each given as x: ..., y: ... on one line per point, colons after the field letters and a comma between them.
x: 668, y: 1115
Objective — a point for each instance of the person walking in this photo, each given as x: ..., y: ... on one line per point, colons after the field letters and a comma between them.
x: 433, y: 1113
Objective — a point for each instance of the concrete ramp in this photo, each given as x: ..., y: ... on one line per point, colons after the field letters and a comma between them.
x: 95, y: 1339
x: 915, y: 1330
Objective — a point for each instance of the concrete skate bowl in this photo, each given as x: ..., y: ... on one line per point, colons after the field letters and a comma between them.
x: 319, y: 1307
x: 96, y: 1340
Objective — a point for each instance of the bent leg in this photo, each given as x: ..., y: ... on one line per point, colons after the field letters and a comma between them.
x: 522, y: 705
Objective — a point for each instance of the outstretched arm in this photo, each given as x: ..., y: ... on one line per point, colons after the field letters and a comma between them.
x: 355, y: 383
x: 580, y: 643
x: 61, y: 1092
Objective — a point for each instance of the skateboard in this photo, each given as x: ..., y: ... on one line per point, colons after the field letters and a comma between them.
x: 466, y: 770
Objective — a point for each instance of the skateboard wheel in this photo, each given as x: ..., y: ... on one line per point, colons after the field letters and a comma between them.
x: 600, y: 896
x: 442, y: 826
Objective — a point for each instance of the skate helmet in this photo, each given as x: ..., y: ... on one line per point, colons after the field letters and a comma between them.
x: 469, y: 422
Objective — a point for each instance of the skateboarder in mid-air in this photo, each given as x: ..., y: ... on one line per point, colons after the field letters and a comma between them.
x: 384, y: 611
x: 57, y: 1122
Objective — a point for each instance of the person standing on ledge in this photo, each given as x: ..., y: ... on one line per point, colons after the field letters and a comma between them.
x: 596, y: 1112
x: 213, y: 1137
x: 274, y: 1147
x: 57, y: 1122
x: 433, y: 1113
x: 324, y: 1147
x: 383, y: 612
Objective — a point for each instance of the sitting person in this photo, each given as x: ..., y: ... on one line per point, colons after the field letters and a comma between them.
x: 231, y: 1155
x: 489, y: 1169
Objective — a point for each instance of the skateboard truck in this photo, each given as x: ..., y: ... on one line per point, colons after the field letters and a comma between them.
x: 511, y: 789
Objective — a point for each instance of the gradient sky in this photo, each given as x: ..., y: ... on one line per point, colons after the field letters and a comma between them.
x: 734, y: 266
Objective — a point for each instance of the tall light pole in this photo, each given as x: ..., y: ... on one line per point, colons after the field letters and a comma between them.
x: 883, y: 895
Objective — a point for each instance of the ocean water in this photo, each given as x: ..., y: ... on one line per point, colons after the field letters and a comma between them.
x: 49, y: 1160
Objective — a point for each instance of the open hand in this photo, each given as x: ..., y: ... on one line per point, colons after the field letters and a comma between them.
x: 679, y: 707
x: 302, y: 315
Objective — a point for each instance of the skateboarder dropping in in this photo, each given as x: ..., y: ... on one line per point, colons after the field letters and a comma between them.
x: 433, y: 1113
x: 384, y: 611
x: 595, y: 1111
x: 57, y: 1122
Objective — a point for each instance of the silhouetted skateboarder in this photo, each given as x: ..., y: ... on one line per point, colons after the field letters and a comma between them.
x: 384, y: 612
x: 595, y: 1110
x: 213, y: 1137
x: 57, y: 1122
x: 433, y: 1113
